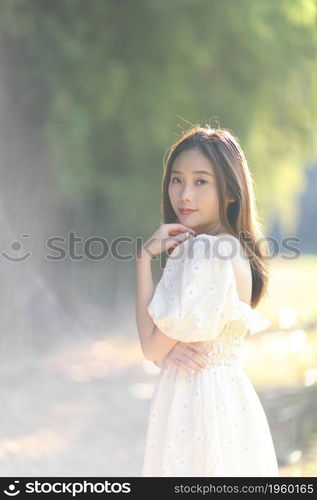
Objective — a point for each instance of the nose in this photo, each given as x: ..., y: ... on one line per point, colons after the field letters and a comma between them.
x: 185, y: 194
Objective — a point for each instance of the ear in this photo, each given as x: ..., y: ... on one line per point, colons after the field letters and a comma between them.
x: 231, y: 199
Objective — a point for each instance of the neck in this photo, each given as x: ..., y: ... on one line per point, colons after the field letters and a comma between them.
x: 212, y: 229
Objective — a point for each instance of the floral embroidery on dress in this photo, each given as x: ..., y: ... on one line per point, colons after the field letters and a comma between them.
x: 208, y: 423
x: 196, y: 297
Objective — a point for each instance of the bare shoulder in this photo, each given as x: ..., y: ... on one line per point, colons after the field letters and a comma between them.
x: 242, y: 270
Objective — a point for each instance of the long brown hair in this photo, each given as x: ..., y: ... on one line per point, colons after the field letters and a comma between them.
x: 234, y: 179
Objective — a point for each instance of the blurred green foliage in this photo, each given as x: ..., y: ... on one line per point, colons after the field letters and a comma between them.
x: 107, y: 81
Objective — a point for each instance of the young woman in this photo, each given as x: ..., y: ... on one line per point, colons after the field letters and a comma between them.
x: 206, y: 418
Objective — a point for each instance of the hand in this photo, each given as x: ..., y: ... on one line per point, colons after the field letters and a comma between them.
x: 190, y: 356
x: 166, y: 237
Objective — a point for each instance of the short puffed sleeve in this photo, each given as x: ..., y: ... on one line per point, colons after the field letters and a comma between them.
x: 196, y: 295
x: 255, y: 321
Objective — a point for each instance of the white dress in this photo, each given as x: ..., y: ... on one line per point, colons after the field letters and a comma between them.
x: 210, y: 423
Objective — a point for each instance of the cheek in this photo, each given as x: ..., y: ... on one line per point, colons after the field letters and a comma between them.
x: 209, y: 199
x: 172, y: 191
x: 209, y: 194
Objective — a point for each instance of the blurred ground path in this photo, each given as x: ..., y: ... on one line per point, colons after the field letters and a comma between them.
x: 74, y: 413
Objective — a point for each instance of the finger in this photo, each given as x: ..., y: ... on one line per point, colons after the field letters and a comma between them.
x: 187, y: 364
x: 189, y: 357
x: 190, y: 364
x: 200, y: 354
x: 179, y: 228
x: 175, y: 358
x: 197, y: 359
x: 177, y: 362
x: 199, y: 347
x: 179, y: 238
x: 184, y: 365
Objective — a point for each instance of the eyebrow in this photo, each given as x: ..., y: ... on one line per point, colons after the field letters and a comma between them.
x: 195, y: 172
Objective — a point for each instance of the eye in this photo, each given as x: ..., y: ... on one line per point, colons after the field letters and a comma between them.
x: 198, y: 180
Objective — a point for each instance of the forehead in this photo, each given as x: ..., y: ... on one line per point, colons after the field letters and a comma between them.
x: 190, y: 161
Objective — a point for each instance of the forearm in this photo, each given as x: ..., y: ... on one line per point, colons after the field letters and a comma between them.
x: 155, y: 345
x: 144, y: 292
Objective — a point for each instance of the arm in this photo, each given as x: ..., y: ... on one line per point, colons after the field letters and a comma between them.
x: 154, y: 343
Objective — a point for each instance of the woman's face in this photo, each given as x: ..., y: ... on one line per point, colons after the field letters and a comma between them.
x: 193, y: 186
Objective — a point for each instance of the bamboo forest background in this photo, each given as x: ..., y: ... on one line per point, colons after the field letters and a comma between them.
x: 92, y: 93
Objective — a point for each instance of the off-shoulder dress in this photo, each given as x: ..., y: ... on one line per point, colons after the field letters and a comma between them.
x: 211, y: 422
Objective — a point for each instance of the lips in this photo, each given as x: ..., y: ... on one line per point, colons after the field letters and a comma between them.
x: 186, y: 211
